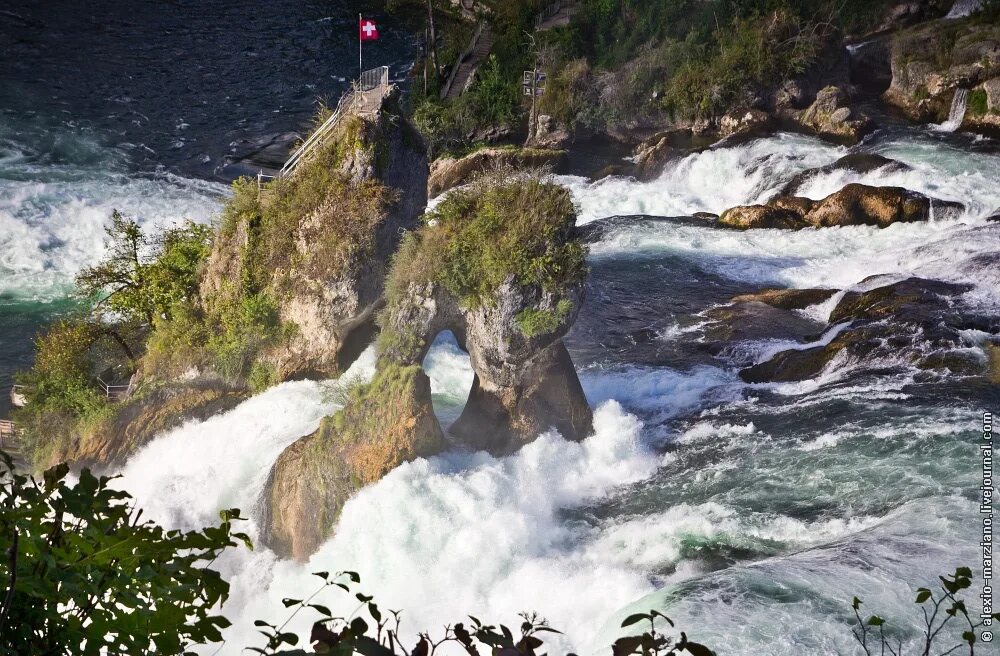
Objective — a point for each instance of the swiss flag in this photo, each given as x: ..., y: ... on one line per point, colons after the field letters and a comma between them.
x: 368, y: 31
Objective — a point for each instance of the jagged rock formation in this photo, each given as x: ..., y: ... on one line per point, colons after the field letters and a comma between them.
x: 496, y: 264
x: 319, y: 242
x: 914, y: 322
x: 855, y: 204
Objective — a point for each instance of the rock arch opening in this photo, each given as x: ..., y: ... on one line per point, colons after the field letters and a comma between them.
x: 450, y: 369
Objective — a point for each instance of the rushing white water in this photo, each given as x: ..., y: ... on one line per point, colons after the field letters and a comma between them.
x: 56, y: 200
x: 751, y: 514
x: 710, y: 181
x: 959, y: 103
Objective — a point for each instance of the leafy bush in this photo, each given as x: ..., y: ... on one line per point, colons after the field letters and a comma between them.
x: 978, y: 102
x: 931, y: 603
x: 371, y: 631
x: 538, y: 322
x: 511, y: 225
x: 84, y: 575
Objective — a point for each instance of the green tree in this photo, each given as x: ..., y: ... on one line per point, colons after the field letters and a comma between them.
x: 82, y: 574
x: 142, y: 278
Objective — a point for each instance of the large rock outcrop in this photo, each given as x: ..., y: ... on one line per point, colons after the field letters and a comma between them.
x: 931, y: 61
x: 319, y: 241
x: 855, y: 204
x: 384, y: 423
x: 497, y: 264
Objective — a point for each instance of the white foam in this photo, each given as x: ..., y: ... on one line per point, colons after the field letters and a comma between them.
x: 709, y: 181
x: 53, y: 214
x: 469, y: 533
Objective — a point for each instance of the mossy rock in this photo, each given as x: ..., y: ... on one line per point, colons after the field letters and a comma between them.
x: 383, y: 424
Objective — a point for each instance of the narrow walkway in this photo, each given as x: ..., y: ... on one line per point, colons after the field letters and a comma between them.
x: 470, y: 61
x: 557, y: 14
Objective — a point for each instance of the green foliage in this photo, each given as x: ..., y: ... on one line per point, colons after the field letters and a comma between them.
x: 60, y: 387
x: 374, y: 631
x: 476, y: 238
x: 978, y: 102
x: 242, y: 327
x: 84, y: 575
x: 534, y: 321
x: 871, y: 633
x: 654, y: 642
x: 261, y: 376
x: 142, y: 278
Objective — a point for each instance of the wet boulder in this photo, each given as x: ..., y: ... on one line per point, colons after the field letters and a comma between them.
x: 855, y: 204
x: 915, y: 322
x: 858, y: 204
x: 832, y: 116
x: 750, y: 217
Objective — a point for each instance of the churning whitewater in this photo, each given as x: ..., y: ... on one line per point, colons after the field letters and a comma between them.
x: 751, y: 514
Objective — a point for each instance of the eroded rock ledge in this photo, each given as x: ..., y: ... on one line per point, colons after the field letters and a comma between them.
x: 855, y: 204
x: 496, y: 264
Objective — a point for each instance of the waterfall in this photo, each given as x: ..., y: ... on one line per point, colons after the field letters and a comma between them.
x: 963, y: 8
x: 957, y: 113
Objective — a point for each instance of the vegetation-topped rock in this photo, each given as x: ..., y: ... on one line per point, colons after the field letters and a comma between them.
x: 384, y: 423
x: 855, y: 204
x: 496, y: 263
x: 310, y: 251
x: 448, y: 172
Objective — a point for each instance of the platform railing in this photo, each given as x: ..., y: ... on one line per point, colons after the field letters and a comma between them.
x: 370, y: 80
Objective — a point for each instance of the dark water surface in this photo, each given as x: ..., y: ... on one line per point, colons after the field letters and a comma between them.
x: 183, y: 83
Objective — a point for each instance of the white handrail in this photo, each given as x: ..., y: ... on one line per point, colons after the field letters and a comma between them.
x: 347, y: 102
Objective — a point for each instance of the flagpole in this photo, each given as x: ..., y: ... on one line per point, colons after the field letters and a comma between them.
x: 360, y: 67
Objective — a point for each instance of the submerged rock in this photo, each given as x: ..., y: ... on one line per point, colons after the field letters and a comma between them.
x: 787, y: 299
x: 855, y: 204
x: 855, y: 163
x: 914, y: 322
